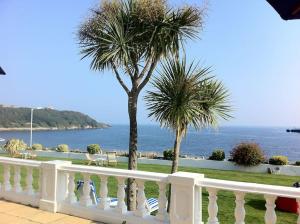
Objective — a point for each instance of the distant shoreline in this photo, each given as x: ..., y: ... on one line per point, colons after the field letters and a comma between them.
x: 51, y: 129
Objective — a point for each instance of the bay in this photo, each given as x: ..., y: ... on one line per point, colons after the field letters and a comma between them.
x: 273, y: 140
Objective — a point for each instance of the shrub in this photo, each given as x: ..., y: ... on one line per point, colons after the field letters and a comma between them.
x: 278, y: 160
x: 218, y: 155
x: 37, y: 147
x: 62, y: 148
x: 93, y: 148
x: 297, y: 163
x: 247, y: 154
x: 12, y: 146
x: 168, y: 154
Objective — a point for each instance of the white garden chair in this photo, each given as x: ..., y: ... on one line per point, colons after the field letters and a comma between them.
x: 111, y: 158
x: 93, y: 160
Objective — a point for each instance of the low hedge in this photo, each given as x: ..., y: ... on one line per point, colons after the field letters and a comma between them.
x: 247, y: 154
x: 12, y: 146
x: 218, y: 155
x: 93, y: 148
x: 297, y: 163
x: 62, y: 148
x: 168, y: 154
x: 278, y: 160
x: 37, y: 147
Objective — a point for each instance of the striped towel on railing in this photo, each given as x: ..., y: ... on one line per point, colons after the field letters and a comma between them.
x: 92, y: 191
x: 152, y: 204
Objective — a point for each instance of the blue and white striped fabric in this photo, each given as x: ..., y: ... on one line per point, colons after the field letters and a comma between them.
x: 151, y: 203
x: 92, y: 191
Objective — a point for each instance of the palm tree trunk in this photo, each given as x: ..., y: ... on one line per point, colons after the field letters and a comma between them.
x: 175, y: 160
x: 176, y: 151
x: 132, y: 163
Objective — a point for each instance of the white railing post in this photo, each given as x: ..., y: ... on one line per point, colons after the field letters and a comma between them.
x: 270, y: 216
x: 29, y: 179
x: 17, y: 180
x: 7, y: 185
x: 54, y: 185
x: 239, y: 211
x: 121, y: 206
x: 185, y: 207
x: 212, y: 206
x: 71, y: 198
x: 162, y: 214
x: 85, y: 199
x: 104, y: 204
x: 141, y: 199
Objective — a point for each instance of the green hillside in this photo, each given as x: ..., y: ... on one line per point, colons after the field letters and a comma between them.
x: 19, y: 118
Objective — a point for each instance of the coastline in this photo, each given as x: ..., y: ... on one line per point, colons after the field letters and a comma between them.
x: 51, y: 128
x: 274, y: 141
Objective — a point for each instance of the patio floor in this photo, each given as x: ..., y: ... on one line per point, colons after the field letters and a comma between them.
x: 11, y: 213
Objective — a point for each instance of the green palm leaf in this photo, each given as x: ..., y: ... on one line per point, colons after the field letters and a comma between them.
x: 118, y: 33
x: 186, y: 95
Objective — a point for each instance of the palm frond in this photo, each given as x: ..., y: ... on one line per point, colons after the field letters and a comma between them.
x: 127, y: 33
x: 186, y: 95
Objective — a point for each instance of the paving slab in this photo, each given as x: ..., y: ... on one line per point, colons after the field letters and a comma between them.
x: 12, y: 213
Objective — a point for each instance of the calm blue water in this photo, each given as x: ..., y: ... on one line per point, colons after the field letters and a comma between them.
x: 274, y: 141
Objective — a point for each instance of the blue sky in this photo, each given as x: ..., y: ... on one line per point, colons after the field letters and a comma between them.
x: 253, y: 51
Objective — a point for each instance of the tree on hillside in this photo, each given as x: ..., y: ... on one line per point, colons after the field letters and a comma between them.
x: 130, y: 38
x: 185, y: 95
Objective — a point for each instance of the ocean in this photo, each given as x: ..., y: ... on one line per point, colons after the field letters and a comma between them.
x: 273, y: 141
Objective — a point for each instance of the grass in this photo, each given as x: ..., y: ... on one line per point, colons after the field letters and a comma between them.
x: 254, y: 204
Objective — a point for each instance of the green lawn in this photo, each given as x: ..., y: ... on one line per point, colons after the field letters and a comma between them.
x: 254, y: 203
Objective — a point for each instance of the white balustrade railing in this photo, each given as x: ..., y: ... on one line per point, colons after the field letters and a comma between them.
x: 14, y: 191
x: 84, y: 207
x: 57, y: 192
x: 240, y: 189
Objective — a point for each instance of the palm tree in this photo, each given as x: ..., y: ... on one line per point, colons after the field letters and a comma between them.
x: 186, y: 96
x: 130, y: 37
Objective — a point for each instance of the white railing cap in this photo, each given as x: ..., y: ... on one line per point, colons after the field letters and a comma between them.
x: 255, y: 188
x: 142, y: 175
x: 185, y: 178
x: 20, y: 162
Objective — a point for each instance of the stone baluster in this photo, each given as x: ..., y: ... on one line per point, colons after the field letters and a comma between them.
x: 121, y: 206
x: 162, y: 214
x: 104, y: 204
x: 29, y: 180
x: 7, y: 185
x: 270, y: 216
x: 71, y: 198
x: 85, y: 199
x: 43, y: 184
x: 141, y: 199
x: 212, y: 206
x: 17, y: 179
x: 239, y: 212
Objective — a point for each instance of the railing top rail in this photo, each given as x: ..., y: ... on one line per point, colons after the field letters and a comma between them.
x: 255, y: 188
x: 142, y: 175
x: 20, y: 162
